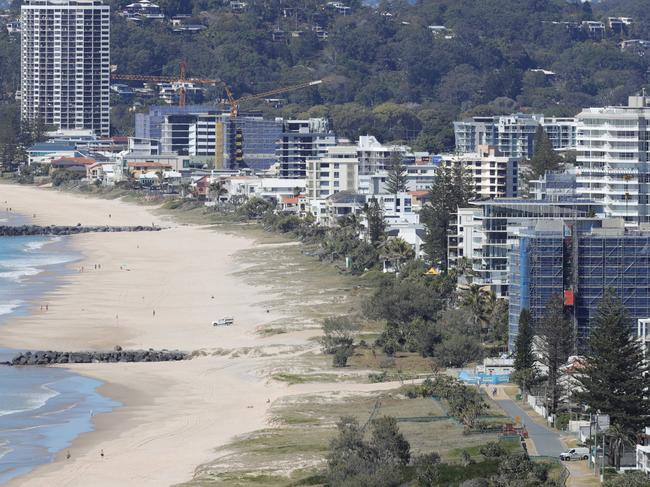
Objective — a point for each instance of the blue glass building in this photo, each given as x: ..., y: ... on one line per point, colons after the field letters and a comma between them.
x: 557, y: 257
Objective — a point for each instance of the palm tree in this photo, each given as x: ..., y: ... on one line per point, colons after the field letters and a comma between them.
x: 217, y: 190
x: 397, y: 251
x: 186, y: 188
x: 475, y: 299
x: 161, y: 178
x: 618, y: 439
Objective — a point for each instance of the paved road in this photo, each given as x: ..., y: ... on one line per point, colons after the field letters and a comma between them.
x: 547, y: 442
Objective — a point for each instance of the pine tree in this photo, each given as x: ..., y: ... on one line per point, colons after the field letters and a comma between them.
x: 544, y: 158
x: 524, y: 357
x: 452, y: 189
x: 525, y: 370
x: 375, y: 220
x: 556, y: 340
x: 613, y: 379
x: 397, y: 179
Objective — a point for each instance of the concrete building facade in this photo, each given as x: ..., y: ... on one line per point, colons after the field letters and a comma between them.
x: 337, y: 170
x: 65, y: 71
x: 513, y: 135
x: 612, y: 159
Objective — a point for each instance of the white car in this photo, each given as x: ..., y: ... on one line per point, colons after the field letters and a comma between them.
x: 224, y: 321
x: 579, y: 453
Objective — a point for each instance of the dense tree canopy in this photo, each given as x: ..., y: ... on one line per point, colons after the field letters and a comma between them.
x: 390, y: 74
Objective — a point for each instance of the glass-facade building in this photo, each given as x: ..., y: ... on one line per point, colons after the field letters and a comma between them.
x: 500, y: 219
x: 554, y: 258
x: 211, y: 135
x: 536, y: 272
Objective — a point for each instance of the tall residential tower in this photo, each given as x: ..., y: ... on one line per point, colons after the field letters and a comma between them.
x: 612, y: 159
x: 65, y: 71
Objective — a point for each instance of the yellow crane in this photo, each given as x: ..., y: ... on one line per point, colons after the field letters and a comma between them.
x: 183, y: 81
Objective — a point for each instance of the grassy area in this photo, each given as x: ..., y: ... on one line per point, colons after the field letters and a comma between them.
x: 452, y: 475
x: 292, y: 379
x: 374, y: 358
x: 294, y: 449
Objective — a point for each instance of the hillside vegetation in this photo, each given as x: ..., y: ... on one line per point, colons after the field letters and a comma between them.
x: 390, y: 74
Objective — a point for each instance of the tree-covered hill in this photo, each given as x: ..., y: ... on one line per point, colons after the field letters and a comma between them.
x: 390, y: 73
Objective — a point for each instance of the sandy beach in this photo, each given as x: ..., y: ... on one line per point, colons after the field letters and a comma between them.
x: 154, y: 290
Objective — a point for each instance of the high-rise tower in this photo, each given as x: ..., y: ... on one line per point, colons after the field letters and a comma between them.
x: 65, y: 70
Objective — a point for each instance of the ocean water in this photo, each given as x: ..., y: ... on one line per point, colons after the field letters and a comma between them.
x: 41, y: 409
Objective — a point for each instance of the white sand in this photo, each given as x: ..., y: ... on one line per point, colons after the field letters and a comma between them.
x: 174, y: 414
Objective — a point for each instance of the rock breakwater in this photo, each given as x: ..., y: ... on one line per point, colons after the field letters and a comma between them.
x: 50, y: 357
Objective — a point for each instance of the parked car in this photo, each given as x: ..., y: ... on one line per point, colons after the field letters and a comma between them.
x: 224, y: 321
x: 579, y: 453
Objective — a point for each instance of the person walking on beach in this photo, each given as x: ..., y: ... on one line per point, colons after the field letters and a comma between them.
x: 154, y: 312
x: 67, y: 455
x: 47, y: 307
x: 101, y: 453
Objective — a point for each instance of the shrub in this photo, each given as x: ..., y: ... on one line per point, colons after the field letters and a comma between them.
x: 62, y: 176
x: 375, y: 378
x: 458, y: 350
x: 427, y: 469
x: 341, y: 356
x: 465, y: 458
x: 412, y: 392
x: 628, y: 479
x: 353, y: 461
x: 254, y: 208
x: 338, y: 333
x: 492, y: 450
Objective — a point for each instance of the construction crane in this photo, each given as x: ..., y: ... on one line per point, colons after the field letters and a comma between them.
x: 183, y: 81
x: 234, y: 103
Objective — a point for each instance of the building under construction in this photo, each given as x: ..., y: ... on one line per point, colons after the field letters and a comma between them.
x: 580, y: 264
x: 212, y: 135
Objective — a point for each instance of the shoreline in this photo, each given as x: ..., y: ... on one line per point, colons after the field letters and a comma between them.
x: 167, y: 288
x: 127, y: 419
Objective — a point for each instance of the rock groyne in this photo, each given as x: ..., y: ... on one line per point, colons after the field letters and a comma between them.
x: 33, y: 230
x: 50, y: 357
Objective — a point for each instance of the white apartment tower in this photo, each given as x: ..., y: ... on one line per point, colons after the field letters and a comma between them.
x: 65, y: 71
x: 613, y: 159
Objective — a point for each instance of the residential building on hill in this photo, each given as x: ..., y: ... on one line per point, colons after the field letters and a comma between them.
x: 375, y: 156
x: 65, y: 55
x: 494, y: 175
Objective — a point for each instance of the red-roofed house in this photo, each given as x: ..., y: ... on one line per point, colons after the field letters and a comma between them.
x: 419, y: 198
x: 202, y: 187
x: 293, y: 204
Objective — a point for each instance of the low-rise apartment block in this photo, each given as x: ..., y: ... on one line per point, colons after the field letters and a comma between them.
x: 336, y: 170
